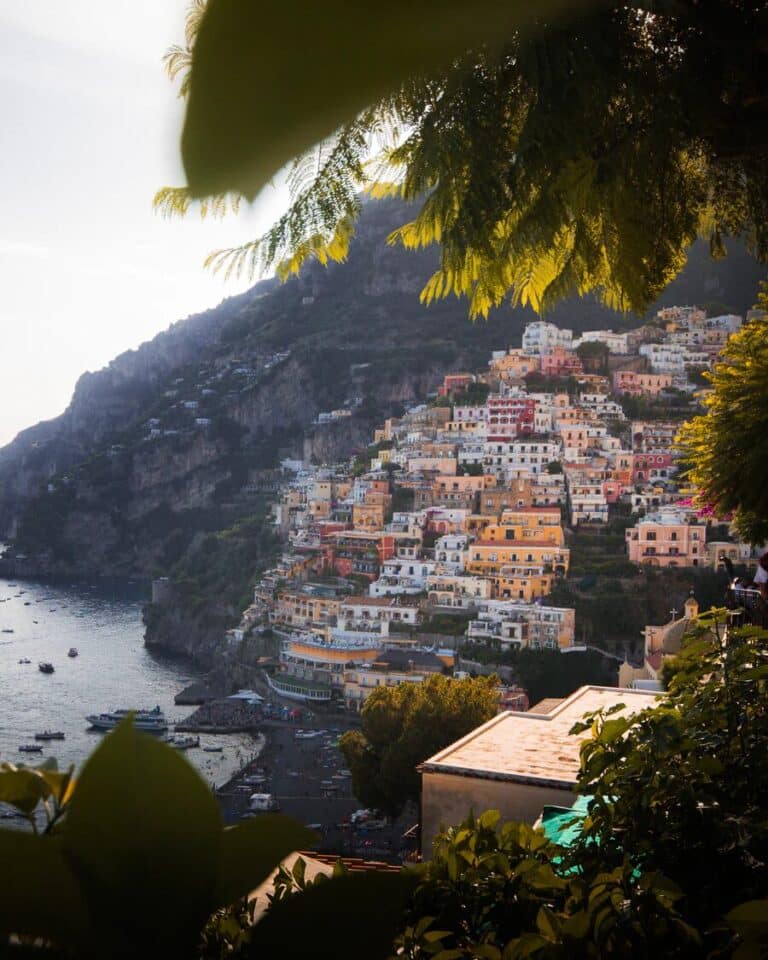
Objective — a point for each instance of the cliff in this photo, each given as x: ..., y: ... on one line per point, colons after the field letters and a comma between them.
x: 163, y: 449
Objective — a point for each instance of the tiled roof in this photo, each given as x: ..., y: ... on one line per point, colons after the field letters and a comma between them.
x: 532, y: 747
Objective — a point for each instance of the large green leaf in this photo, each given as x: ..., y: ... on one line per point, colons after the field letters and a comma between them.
x: 252, y: 850
x: 345, y: 918
x: 38, y: 894
x: 22, y: 787
x: 142, y: 836
x: 269, y: 80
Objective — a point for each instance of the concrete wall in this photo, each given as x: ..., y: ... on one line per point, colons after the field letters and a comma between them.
x: 447, y: 799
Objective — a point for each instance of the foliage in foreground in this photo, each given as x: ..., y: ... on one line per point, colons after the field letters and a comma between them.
x: 726, y: 449
x: 672, y: 858
x: 405, y: 725
x: 132, y: 860
x: 670, y: 861
x: 552, y: 153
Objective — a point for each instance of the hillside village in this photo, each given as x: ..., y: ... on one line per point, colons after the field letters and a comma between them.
x: 461, y: 511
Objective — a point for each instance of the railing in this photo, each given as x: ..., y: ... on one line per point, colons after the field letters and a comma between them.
x: 746, y: 606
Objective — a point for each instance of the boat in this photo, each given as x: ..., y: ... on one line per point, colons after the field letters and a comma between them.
x: 150, y: 721
x: 72, y: 652
x: 186, y: 743
x: 7, y: 630
x: 50, y: 735
x: 45, y: 667
x: 25, y: 660
x: 30, y: 748
x: 213, y: 749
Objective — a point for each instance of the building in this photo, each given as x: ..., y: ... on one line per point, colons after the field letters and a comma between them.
x: 561, y: 362
x: 667, y: 539
x: 457, y: 590
x: 515, y: 763
x: 661, y: 643
x: 506, y: 623
x: 389, y: 669
x: 616, y: 342
x: 641, y: 384
x: 541, y: 337
x: 361, y: 609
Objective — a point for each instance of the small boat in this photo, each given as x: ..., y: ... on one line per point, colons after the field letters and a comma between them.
x: 25, y: 660
x: 213, y: 749
x: 72, y: 652
x: 7, y: 630
x: 27, y: 603
x: 50, y: 735
x: 186, y: 743
x: 30, y: 748
x: 45, y: 667
x: 35, y: 621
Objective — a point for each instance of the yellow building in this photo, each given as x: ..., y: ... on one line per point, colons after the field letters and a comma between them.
x: 524, y: 568
x: 298, y: 608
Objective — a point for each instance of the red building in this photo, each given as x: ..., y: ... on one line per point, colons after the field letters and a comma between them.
x: 358, y: 552
x: 453, y: 382
x: 652, y: 466
x: 511, y: 415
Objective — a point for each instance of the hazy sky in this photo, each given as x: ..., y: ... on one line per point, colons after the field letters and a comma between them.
x: 90, y: 126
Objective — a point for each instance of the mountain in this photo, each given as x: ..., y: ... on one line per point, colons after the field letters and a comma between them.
x: 175, y: 440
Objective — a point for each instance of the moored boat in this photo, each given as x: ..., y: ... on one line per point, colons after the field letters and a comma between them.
x: 50, y: 735
x: 45, y: 667
x: 72, y: 652
x: 150, y: 721
x: 213, y: 749
x: 30, y: 748
x: 186, y: 743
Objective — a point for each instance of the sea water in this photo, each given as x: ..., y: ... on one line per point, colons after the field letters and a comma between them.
x: 113, y: 670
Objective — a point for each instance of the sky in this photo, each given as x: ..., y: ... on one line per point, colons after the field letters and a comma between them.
x: 90, y: 130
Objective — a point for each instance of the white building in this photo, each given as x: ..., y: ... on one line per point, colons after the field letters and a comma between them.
x: 616, y: 342
x: 542, y: 337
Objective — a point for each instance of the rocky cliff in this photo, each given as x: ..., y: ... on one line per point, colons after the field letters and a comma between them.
x: 163, y: 449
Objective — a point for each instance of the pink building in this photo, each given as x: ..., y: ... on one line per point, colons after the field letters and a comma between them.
x: 667, y: 540
x: 641, y: 384
x: 560, y: 363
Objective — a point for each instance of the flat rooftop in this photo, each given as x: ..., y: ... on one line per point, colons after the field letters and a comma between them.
x: 533, y: 747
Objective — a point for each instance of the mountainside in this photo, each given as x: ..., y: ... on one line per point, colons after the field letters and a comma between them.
x: 175, y: 440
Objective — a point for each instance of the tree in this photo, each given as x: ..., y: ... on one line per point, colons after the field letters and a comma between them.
x: 594, y: 355
x: 552, y: 153
x: 405, y: 725
x: 725, y: 450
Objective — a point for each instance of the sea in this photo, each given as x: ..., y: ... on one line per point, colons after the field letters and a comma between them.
x: 39, y: 622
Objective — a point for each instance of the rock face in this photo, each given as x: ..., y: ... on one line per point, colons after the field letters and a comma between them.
x: 165, y: 445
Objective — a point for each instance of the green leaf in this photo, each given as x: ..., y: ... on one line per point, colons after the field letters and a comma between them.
x: 38, y: 894
x: 252, y: 850
x: 269, y: 81
x: 345, y: 919
x: 23, y: 788
x: 142, y: 836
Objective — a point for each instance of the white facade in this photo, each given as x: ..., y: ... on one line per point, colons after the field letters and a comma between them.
x: 542, y: 337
